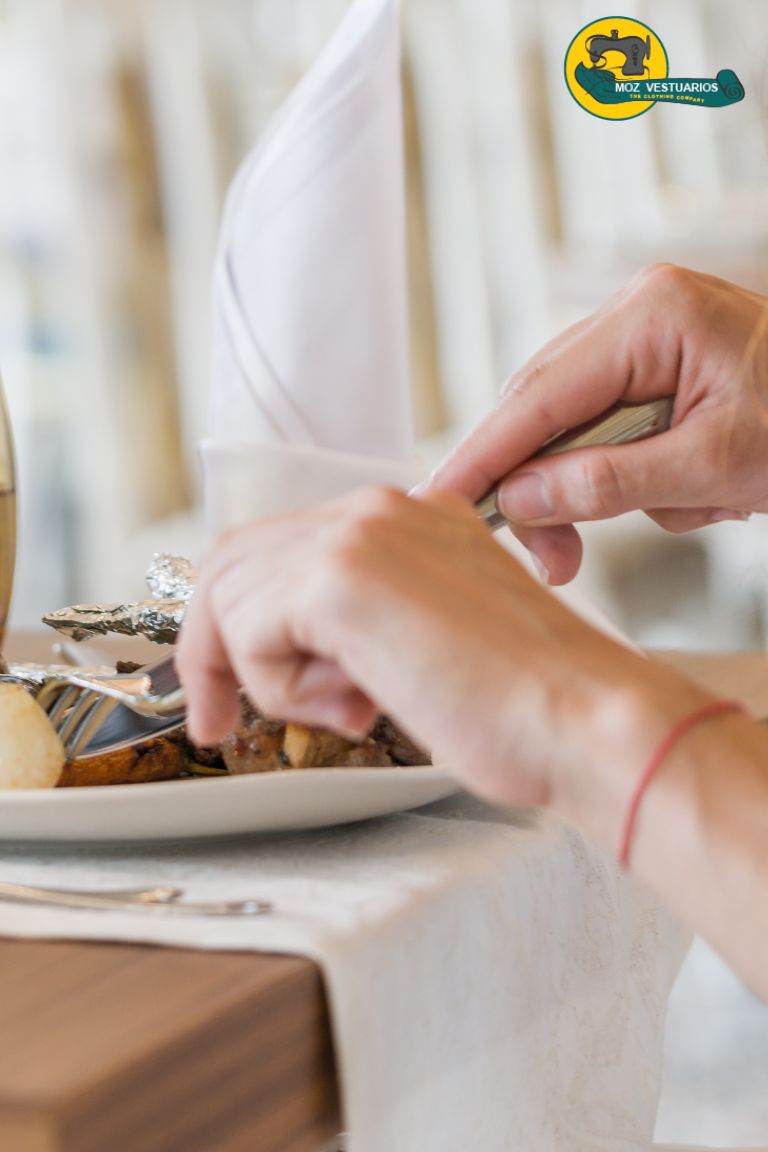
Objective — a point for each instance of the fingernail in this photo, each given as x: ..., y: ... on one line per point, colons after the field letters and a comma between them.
x: 721, y: 514
x: 541, y: 568
x: 526, y: 497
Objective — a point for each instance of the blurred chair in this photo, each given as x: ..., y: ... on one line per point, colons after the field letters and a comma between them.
x: 192, y: 185
x: 462, y: 304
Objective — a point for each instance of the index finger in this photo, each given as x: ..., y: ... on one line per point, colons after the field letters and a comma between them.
x: 206, y: 673
x: 573, y: 379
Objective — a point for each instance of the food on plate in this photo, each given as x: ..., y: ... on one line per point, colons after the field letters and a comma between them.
x: 400, y: 748
x: 313, y: 747
x: 159, y: 759
x: 31, y: 754
x: 262, y: 744
x: 258, y: 744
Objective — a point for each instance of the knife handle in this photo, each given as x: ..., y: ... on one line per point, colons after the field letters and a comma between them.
x: 622, y: 424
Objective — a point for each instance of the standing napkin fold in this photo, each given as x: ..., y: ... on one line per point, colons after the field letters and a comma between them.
x: 310, y: 341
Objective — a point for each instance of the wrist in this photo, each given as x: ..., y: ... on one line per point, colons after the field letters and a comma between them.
x: 624, y: 724
x: 711, y: 788
x: 700, y: 835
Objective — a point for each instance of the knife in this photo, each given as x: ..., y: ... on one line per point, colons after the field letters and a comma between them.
x: 622, y: 424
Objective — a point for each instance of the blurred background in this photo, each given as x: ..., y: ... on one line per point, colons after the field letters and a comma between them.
x: 121, y: 124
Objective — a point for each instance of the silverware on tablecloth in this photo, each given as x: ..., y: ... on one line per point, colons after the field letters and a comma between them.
x: 157, y: 894
x: 95, y: 713
x: 160, y: 901
x: 623, y: 424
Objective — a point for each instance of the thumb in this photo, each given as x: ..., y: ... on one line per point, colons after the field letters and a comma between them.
x: 600, y: 482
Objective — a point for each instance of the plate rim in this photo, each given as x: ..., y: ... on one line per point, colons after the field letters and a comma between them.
x: 29, y: 797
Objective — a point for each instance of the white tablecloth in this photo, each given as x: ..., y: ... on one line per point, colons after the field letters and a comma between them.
x: 495, y: 983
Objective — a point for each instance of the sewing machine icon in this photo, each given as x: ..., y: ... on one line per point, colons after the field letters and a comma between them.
x: 634, y: 49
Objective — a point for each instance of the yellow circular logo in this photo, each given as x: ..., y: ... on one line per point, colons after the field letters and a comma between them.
x: 609, y: 59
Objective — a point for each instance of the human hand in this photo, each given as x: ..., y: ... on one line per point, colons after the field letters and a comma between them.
x: 670, y: 332
x: 379, y: 602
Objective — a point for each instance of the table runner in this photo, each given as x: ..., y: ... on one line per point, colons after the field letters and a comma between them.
x: 494, y: 981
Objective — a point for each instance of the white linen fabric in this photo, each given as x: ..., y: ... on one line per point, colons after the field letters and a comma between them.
x: 245, y: 481
x: 494, y: 981
x: 310, y: 303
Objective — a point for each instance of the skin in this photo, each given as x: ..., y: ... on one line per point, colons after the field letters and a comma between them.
x: 383, y: 602
x: 669, y: 333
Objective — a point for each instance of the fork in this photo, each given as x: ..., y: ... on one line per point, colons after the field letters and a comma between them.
x: 159, y: 894
x: 159, y: 901
x: 79, y: 703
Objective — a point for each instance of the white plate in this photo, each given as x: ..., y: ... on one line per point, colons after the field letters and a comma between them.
x: 221, y: 806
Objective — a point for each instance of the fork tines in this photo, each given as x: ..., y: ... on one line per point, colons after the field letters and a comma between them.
x: 76, y: 713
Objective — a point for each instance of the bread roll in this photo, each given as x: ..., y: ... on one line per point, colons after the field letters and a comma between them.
x: 31, y: 754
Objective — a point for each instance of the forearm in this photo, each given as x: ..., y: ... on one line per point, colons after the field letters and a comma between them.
x: 702, y: 839
x: 701, y: 836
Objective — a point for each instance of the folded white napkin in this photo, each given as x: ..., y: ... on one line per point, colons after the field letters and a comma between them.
x: 310, y: 341
x: 495, y: 982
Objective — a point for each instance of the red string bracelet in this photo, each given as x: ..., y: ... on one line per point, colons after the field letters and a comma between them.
x: 678, y: 730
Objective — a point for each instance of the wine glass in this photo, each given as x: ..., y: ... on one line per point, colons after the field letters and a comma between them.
x: 7, y: 513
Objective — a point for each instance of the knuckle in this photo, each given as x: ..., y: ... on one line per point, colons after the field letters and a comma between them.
x: 661, y: 275
x: 672, y: 285
x: 377, y: 501
x: 371, y: 515
x: 350, y: 563
x: 526, y: 380
x: 601, y: 487
x: 346, y: 546
x: 344, y: 561
x: 453, y: 503
x: 337, y: 575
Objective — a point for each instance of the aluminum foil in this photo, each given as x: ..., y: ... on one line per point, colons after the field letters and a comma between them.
x: 171, y: 577
x: 171, y: 581
x: 158, y: 620
x: 34, y: 676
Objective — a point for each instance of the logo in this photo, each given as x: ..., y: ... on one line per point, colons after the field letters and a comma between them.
x: 617, y: 68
